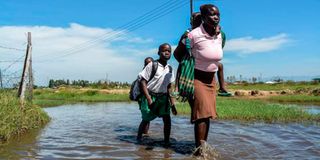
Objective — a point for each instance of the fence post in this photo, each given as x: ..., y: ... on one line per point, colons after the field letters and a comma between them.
x: 26, y: 68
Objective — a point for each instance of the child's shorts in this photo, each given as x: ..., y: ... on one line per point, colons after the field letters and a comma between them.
x: 160, y: 107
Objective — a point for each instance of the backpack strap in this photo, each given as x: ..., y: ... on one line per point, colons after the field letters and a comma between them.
x: 154, y: 70
x: 223, y: 36
x: 170, y: 68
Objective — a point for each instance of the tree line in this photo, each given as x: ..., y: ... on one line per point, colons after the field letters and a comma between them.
x: 85, y: 83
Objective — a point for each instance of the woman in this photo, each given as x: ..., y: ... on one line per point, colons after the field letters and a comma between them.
x: 206, y: 48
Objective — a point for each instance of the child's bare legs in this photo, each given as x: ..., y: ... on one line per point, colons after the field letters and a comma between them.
x: 142, y: 128
x: 222, y: 88
x: 146, y: 129
x: 166, y: 128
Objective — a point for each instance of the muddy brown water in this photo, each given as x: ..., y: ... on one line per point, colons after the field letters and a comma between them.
x: 108, y: 131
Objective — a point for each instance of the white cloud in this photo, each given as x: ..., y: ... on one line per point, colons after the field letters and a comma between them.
x: 51, y: 46
x: 249, y: 45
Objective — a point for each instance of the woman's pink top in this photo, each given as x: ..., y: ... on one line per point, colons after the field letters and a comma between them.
x: 206, y: 50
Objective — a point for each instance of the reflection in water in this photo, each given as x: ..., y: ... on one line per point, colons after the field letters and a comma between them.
x: 108, y: 131
x: 312, y: 109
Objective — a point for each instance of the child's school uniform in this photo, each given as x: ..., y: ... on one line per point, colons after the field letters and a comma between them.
x: 158, y: 90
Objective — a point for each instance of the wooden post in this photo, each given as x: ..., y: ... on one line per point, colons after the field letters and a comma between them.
x: 22, y: 86
x: 30, y: 75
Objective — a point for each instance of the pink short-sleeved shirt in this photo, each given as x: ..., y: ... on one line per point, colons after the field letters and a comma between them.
x: 206, y: 50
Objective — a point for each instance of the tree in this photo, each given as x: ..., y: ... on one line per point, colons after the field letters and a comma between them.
x: 254, y: 79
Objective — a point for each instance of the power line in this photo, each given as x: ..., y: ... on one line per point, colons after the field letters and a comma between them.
x: 11, y: 48
x: 132, y: 22
x: 131, y: 26
x: 17, y: 60
x: 9, y: 61
x: 12, y: 74
x: 123, y: 27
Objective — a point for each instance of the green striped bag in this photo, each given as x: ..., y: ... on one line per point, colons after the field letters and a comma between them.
x: 185, y: 76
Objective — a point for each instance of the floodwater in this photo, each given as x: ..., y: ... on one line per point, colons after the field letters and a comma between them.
x: 108, y: 131
x: 312, y: 109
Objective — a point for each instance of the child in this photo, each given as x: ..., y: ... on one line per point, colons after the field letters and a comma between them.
x: 146, y: 62
x: 196, y: 22
x: 155, y: 99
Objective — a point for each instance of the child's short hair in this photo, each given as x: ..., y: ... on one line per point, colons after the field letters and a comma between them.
x: 146, y: 60
x: 195, y: 20
x: 164, y: 44
x: 205, y: 8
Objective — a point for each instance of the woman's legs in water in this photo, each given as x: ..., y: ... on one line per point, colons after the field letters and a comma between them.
x: 201, y: 130
x: 201, y: 127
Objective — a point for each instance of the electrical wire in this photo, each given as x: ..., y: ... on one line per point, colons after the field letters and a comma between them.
x: 129, y: 28
x: 11, y: 48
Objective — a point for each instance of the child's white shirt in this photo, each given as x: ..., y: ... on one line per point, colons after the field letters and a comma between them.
x: 160, y: 81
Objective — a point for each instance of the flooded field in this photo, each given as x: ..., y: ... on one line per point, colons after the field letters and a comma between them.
x: 108, y: 131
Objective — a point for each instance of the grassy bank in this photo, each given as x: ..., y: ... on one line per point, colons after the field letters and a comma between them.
x: 51, y: 97
x: 276, y: 87
x: 232, y: 108
x: 15, y: 120
x: 255, y: 110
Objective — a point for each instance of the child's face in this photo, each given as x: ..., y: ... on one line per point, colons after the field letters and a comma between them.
x: 147, y: 61
x: 212, y: 18
x: 165, y: 52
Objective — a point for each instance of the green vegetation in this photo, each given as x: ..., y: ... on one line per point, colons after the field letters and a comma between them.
x: 296, y: 86
x: 14, y: 119
x: 232, y: 108
x: 295, y: 99
x: 255, y: 110
x: 85, y: 83
x: 52, y: 97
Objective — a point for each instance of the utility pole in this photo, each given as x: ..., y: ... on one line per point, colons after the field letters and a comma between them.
x: 1, y: 85
x: 26, y: 68
x: 191, y: 7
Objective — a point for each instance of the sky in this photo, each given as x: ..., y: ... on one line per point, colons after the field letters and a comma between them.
x: 103, y: 39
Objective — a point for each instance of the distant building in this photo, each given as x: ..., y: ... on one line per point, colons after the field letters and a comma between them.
x: 271, y: 82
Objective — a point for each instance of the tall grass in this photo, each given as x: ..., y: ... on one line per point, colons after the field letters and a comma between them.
x: 15, y: 120
x: 255, y: 110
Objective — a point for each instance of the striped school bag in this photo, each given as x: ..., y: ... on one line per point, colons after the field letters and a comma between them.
x: 185, y: 74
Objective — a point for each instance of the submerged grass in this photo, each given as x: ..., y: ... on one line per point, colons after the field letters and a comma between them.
x: 255, y: 110
x: 15, y: 120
